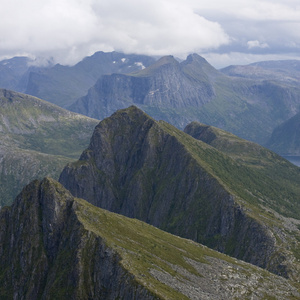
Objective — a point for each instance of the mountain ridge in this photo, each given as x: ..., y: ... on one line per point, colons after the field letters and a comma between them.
x: 79, y: 251
x: 144, y: 169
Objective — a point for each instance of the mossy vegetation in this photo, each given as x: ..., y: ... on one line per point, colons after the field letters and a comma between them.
x: 144, y: 248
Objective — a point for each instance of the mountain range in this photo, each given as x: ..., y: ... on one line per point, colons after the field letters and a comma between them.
x: 203, y: 183
x: 217, y: 189
x: 249, y: 101
x: 37, y: 140
x: 193, y: 90
x: 62, y: 85
x: 55, y: 246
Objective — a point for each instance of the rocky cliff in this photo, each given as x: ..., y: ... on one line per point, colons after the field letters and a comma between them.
x: 152, y: 171
x: 193, y: 90
x: 167, y: 83
x: 55, y: 246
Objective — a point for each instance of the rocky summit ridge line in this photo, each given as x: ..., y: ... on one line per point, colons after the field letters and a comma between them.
x: 192, y: 90
x: 55, y: 246
x: 152, y: 171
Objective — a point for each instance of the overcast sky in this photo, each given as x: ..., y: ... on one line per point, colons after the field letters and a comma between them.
x: 224, y: 32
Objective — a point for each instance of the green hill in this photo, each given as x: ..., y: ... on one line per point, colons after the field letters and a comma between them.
x: 37, y: 139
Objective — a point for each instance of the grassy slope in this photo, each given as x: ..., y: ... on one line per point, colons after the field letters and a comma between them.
x: 37, y: 139
x: 144, y: 248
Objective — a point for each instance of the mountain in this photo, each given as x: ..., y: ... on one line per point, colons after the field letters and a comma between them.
x: 62, y: 85
x: 287, y: 71
x: 14, y: 72
x: 37, y: 139
x: 154, y: 172
x: 55, y: 246
x: 193, y: 90
x: 285, y: 138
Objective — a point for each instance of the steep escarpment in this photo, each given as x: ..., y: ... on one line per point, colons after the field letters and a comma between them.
x: 151, y: 171
x: 46, y: 252
x: 55, y: 246
x: 165, y: 84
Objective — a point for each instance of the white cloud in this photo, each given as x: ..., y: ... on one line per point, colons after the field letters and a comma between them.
x: 68, y: 30
x: 256, y: 44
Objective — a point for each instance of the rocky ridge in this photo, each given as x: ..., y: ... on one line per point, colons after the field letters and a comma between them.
x: 193, y: 90
x: 53, y: 245
x: 152, y: 171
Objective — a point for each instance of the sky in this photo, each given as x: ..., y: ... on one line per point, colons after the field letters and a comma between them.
x: 224, y: 32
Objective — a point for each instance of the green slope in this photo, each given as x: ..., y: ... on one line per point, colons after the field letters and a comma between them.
x: 84, y: 252
x: 37, y: 139
x: 242, y: 200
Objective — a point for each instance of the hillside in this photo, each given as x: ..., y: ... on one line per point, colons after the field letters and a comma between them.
x: 37, y: 139
x: 53, y: 245
x: 285, y: 138
x: 287, y: 71
x: 154, y: 172
x: 193, y: 90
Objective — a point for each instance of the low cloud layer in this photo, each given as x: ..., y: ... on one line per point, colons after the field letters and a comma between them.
x: 68, y: 30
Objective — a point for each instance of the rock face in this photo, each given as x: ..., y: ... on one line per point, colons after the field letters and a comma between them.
x: 55, y: 246
x: 167, y: 83
x: 44, y: 252
x: 149, y: 170
x: 193, y: 90
x: 63, y: 85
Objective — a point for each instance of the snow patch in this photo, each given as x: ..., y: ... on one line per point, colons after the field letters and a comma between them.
x: 140, y: 64
x: 123, y: 59
x: 114, y: 62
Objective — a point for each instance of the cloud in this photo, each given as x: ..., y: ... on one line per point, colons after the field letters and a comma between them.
x: 256, y: 44
x: 68, y: 28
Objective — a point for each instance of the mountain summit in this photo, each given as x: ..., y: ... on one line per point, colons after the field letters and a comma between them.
x: 152, y: 171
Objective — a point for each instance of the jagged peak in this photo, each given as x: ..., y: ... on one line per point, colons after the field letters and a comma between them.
x: 168, y: 60
x: 199, y: 63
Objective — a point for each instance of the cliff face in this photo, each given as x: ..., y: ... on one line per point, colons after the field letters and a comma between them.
x: 149, y: 170
x: 46, y: 252
x: 166, y: 83
x: 55, y: 246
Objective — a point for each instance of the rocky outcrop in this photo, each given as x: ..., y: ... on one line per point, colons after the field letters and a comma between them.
x: 149, y: 170
x: 55, y: 246
x: 46, y: 252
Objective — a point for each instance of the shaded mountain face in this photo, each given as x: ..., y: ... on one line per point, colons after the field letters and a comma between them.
x: 53, y: 245
x: 154, y: 172
x: 180, y: 93
x: 167, y: 84
x: 285, y: 138
x: 62, y: 85
x: 37, y: 139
